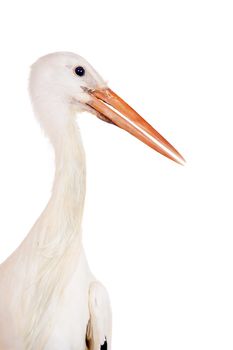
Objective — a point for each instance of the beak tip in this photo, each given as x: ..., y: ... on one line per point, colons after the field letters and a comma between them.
x: 182, y: 161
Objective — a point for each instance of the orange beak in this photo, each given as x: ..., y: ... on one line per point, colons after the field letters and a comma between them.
x: 113, y: 109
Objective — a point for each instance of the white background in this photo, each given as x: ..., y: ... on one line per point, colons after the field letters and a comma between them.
x: 158, y: 235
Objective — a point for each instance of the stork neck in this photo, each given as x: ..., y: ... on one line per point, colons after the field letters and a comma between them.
x: 56, y: 237
x: 69, y: 186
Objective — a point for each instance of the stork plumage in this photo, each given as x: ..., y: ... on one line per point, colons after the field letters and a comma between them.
x: 49, y: 299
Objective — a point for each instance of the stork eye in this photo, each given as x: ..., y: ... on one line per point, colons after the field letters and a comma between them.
x: 80, y: 71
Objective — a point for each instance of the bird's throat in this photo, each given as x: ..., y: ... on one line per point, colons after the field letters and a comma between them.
x: 68, y: 195
x: 60, y: 223
x: 70, y: 177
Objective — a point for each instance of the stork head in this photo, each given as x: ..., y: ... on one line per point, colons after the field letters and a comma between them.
x: 64, y: 83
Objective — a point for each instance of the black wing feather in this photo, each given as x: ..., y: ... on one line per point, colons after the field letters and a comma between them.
x: 104, y: 346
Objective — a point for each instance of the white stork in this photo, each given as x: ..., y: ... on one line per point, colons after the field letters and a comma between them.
x: 49, y: 299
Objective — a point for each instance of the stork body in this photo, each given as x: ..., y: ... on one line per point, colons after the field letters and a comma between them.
x: 49, y: 299
x: 47, y: 279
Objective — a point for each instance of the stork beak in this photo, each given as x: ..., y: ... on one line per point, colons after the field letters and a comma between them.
x: 113, y: 109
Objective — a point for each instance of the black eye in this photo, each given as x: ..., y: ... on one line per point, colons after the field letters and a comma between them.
x: 80, y: 71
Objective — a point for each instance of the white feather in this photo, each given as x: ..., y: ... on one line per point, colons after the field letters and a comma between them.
x: 44, y: 284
